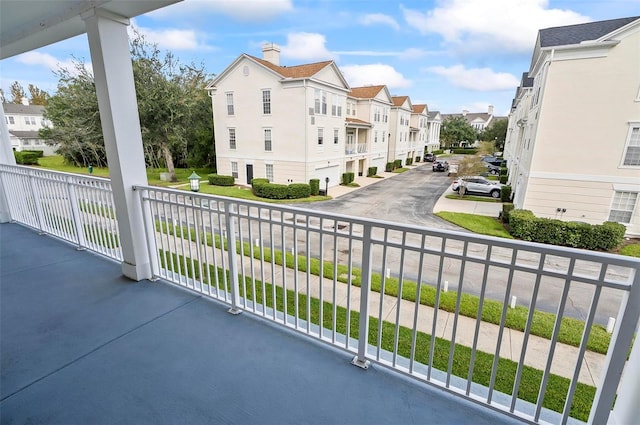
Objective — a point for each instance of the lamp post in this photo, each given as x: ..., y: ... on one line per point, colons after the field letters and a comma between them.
x: 326, y: 186
x: 194, y: 182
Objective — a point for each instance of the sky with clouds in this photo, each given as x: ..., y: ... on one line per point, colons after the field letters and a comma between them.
x: 450, y: 54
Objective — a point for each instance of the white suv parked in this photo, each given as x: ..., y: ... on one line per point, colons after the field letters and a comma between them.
x: 478, y: 185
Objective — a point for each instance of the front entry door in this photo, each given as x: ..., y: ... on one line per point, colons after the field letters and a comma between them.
x: 249, y: 173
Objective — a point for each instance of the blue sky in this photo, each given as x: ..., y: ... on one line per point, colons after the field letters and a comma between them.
x: 450, y: 54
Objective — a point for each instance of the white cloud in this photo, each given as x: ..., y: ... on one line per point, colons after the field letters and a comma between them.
x: 477, y: 79
x: 241, y: 10
x: 379, y: 18
x: 169, y: 38
x: 49, y: 61
x: 306, y: 46
x: 499, y: 25
x: 410, y: 53
x: 374, y: 74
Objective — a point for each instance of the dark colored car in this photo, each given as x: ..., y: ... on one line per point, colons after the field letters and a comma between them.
x: 439, y: 165
x: 429, y: 157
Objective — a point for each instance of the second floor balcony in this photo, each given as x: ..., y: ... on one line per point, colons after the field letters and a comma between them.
x: 355, y: 148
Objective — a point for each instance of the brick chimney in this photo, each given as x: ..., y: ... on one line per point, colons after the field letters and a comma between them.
x: 271, y: 53
x: 490, y: 111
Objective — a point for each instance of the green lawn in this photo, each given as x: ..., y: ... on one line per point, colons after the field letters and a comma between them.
x: 471, y: 198
x: 476, y: 223
x: 245, y: 193
x: 632, y: 250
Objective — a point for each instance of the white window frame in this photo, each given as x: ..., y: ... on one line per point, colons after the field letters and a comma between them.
x: 230, y: 106
x: 234, y: 169
x: 320, y: 136
x: 316, y: 101
x: 375, y: 136
x: 633, y: 142
x: 623, y: 202
x: 233, y: 138
x: 268, y: 142
x: 336, y: 136
x: 10, y: 119
x: 268, y: 171
x: 266, y: 101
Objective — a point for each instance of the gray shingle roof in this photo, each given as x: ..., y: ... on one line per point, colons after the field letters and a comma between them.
x: 575, y: 34
x: 19, y: 108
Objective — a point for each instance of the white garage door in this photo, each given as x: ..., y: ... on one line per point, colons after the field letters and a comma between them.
x: 332, y: 172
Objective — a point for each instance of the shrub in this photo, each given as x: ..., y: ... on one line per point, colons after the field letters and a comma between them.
x: 503, y: 179
x: 372, y: 171
x: 256, y: 186
x: 273, y: 191
x: 417, y: 159
x: 388, y: 167
x: 526, y: 226
x: 26, y: 158
x: 465, y: 151
x: 220, y: 180
x: 298, y: 190
x: 438, y: 152
x: 314, y: 184
x: 409, y: 161
x: 507, y: 207
x: 504, y: 171
x: 505, y: 194
x: 348, y: 178
x: 397, y: 164
x: 38, y: 153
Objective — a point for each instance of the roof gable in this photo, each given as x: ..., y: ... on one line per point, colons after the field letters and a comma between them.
x: 420, y: 109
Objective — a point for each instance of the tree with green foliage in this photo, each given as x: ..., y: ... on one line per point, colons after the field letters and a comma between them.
x: 17, y: 92
x: 174, y: 109
x: 37, y: 96
x: 496, y: 132
x: 456, y: 129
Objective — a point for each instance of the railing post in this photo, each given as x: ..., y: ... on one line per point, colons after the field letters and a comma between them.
x: 75, y: 213
x: 233, y: 265
x: 150, y: 231
x: 37, y: 203
x: 627, y: 408
x: 365, y: 288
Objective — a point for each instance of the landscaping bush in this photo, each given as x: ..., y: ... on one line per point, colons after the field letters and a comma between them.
x: 465, y: 151
x: 526, y: 226
x: 389, y: 167
x: 505, y: 194
x: 348, y: 178
x: 299, y: 190
x: 256, y: 186
x: 507, y: 207
x: 220, y: 180
x: 409, y: 161
x: 273, y: 191
x: 397, y: 164
x: 26, y: 158
x: 314, y: 184
x: 504, y: 171
x: 372, y: 171
x: 503, y: 179
x: 438, y: 152
x: 38, y: 153
x: 417, y: 159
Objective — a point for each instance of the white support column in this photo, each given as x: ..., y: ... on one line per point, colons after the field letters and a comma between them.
x: 113, y: 73
x: 6, y: 157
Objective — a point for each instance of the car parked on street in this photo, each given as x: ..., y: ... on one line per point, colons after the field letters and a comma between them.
x: 429, y: 157
x: 440, y: 165
x: 478, y: 185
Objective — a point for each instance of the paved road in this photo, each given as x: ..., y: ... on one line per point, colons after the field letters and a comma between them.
x: 406, y: 198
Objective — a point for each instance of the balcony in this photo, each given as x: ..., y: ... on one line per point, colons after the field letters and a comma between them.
x: 354, y: 149
x: 82, y: 344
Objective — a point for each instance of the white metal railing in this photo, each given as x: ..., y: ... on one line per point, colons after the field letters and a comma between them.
x: 353, y: 149
x: 268, y: 260
x: 76, y: 208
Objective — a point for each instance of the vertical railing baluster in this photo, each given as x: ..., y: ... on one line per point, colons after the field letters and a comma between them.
x: 75, y: 212
x: 233, y: 265
x: 360, y: 359
x: 37, y: 202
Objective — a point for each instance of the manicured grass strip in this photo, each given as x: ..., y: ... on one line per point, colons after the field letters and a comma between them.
x: 632, y: 250
x: 542, y: 325
x: 557, y: 386
x: 476, y: 223
x: 457, y: 197
x: 245, y: 193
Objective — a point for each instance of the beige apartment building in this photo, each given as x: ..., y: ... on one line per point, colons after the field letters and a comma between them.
x: 291, y: 124
x: 573, y: 142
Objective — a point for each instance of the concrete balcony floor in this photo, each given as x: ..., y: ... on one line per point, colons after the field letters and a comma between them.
x: 80, y: 344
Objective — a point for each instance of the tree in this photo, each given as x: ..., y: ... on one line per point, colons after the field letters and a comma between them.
x: 17, y: 92
x: 38, y: 97
x: 456, y: 129
x: 496, y: 132
x: 174, y: 110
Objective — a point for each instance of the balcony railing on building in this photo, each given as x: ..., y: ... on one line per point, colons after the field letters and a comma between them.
x: 354, y: 149
x: 378, y: 290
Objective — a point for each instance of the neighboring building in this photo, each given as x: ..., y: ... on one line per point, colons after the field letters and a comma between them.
x: 419, y: 130
x: 573, y: 143
x: 399, y: 129
x: 478, y: 120
x: 24, y: 122
x: 433, y: 131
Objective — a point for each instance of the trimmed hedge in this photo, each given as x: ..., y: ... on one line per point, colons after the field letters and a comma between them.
x: 397, y: 164
x: 348, y: 178
x: 220, y: 180
x: 507, y: 207
x: 526, y: 226
x: 503, y: 179
x: 504, y: 171
x: 26, y: 158
x: 314, y: 184
x: 409, y: 161
x: 465, y: 151
x: 256, y: 186
x: 388, y: 167
x: 505, y: 194
x: 417, y: 159
x: 438, y: 152
x: 298, y: 190
x: 372, y: 171
x: 39, y: 153
x: 264, y: 189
